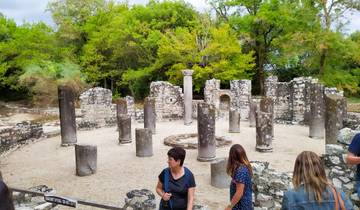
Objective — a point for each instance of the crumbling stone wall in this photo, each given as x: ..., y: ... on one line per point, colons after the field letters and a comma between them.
x: 239, y: 93
x: 169, y: 100
x: 292, y: 99
x: 10, y: 136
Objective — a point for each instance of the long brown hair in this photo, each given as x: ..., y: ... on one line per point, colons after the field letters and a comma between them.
x: 309, y: 170
x: 237, y: 157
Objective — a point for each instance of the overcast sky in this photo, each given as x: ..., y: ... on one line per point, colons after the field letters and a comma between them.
x: 34, y: 11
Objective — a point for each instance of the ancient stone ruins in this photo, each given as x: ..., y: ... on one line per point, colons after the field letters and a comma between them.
x: 302, y: 101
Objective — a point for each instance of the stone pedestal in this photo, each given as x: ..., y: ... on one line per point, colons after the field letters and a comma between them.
x: 317, y: 111
x: 267, y: 105
x: 219, y: 177
x: 124, y: 127
x: 143, y: 139
x: 333, y: 117
x: 86, y: 159
x: 67, y: 115
x: 149, y: 114
x: 252, y: 113
x: 188, y: 96
x: 234, y: 121
x: 206, y: 131
x: 263, y: 132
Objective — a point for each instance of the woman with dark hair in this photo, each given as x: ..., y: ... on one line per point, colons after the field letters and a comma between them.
x: 240, y: 170
x: 312, y: 191
x: 6, y: 202
x: 176, y: 184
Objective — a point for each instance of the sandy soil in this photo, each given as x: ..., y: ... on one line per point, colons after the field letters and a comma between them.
x: 119, y: 170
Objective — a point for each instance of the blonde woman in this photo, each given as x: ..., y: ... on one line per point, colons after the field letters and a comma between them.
x: 312, y: 190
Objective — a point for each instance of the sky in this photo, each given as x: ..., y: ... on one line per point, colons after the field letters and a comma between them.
x: 34, y: 11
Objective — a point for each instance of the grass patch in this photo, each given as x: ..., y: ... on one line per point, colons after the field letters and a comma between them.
x: 353, y: 100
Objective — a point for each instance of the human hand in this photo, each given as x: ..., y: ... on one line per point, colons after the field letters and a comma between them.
x: 166, y: 196
x: 227, y: 208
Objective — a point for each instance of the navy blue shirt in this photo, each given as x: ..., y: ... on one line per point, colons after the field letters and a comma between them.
x: 354, y: 148
x: 179, y: 189
x: 242, y: 175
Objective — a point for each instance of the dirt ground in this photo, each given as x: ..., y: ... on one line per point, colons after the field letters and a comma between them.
x: 119, y: 170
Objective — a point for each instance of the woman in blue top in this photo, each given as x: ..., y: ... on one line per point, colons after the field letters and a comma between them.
x: 312, y: 191
x: 240, y: 170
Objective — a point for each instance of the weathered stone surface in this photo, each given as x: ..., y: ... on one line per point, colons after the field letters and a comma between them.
x: 219, y: 177
x: 124, y: 128
x: 188, y: 96
x: 18, y: 134
x: 144, y: 144
x: 206, y: 131
x: 346, y: 135
x: 190, y: 141
x: 241, y: 95
x: 334, y: 118
x: 140, y: 200
x: 67, y: 115
x: 252, y: 113
x: 263, y: 132
x: 333, y: 149
x: 317, y: 111
x: 169, y: 102
x: 267, y: 106
x: 86, y: 159
x: 97, y: 108
x: 234, y: 121
x: 352, y: 121
x: 149, y: 114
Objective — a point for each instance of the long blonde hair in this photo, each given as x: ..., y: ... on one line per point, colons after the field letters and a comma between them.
x: 237, y: 157
x: 309, y: 170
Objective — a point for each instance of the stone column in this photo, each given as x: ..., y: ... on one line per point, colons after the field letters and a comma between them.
x: 267, y: 105
x: 333, y: 117
x: 241, y: 93
x: 143, y: 139
x: 67, y: 115
x: 149, y: 114
x: 263, y: 132
x: 317, y: 111
x: 252, y: 113
x: 86, y: 159
x: 206, y: 132
x: 219, y: 177
x: 124, y: 126
x: 188, y: 96
x: 121, y: 107
x: 234, y: 121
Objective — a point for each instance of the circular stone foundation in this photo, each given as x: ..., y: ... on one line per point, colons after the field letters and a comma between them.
x: 189, y: 141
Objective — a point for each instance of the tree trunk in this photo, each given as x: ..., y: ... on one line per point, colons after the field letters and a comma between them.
x: 322, y: 61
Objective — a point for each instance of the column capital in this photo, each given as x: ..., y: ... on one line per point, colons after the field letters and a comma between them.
x: 187, y: 72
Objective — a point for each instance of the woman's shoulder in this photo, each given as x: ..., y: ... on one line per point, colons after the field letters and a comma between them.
x: 242, y: 169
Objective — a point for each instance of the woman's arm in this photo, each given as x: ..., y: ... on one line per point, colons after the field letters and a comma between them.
x: 159, y: 190
x: 191, y: 194
x: 238, y: 195
x: 352, y: 159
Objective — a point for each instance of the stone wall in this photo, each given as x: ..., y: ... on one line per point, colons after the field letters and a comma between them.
x: 292, y: 99
x: 241, y: 95
x: 169, y: 101
x: 20, y: 133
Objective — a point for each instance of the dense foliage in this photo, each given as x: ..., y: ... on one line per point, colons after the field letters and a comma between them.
x: 124, y: 48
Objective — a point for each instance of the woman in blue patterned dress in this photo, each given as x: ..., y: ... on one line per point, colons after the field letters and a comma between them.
x: 240, y: 170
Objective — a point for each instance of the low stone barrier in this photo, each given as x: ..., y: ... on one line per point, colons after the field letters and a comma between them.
x: 20, y: 133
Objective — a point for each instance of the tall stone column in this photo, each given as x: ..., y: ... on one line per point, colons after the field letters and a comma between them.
x: 317, y: 111
x: 206, y: 132
x: 219, y: 177
x: 188, y: 96
x: 149, y: 114
x: 333, y: 117
x: 143, y: 139
x: 124, y: 126
x: 234, y: 121
x: 67, y: 115
x: 86, y: 159
x: 252, y: 113
x: 263, y: 132
x: 267, y: 105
